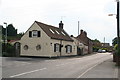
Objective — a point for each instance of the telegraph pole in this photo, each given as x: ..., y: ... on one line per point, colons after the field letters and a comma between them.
x: 78, y: 27
x: 118, y: 35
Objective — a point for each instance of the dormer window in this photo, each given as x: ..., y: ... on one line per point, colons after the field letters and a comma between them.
x: 34, y: 33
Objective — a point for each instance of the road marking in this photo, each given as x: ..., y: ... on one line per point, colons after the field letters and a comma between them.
x: 50, y: 60
x: 86, y: 71
x: 61, y: 64
x: 27, y: 72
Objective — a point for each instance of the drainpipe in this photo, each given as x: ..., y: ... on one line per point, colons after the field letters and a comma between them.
x: 61, y: 47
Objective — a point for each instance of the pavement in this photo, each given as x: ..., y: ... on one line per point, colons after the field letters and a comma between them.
x: 106, y: 69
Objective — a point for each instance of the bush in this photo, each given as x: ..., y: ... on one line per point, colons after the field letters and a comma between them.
x: 8, y: 50
x: 95, y: 49
x: 116, y: 46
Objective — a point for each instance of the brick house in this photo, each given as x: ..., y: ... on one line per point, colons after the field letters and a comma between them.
x: 80, y: 46
x: 86, y: 41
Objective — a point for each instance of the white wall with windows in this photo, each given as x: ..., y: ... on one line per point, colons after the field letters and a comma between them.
x: 62, y: 48
x: 37, y: 41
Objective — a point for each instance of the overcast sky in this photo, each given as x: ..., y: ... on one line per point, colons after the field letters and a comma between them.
x: 92, y: 14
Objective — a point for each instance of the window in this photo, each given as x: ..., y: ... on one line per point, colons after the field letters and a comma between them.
x: 68, y: 49
x: 52, y: 31
x: 63, y: 33
x: 56, y: 47
x: 38, y: 47
x: 26, y: 47
x: 34, y: 33
x: 57, y: 32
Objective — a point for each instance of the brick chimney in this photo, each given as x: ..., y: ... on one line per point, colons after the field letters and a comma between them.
x: 61, y: 25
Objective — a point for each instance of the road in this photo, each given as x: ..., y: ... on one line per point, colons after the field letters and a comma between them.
x: 73, y: 67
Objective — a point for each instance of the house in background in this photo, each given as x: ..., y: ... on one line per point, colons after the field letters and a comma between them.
x: 46, y: 40
x: 105, y: 45
x: 80, y: 46
x: 88, y: 44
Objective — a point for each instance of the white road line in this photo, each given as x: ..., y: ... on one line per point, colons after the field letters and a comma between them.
x: 50, y: 60
x: 60, y: 65
x: 63, y: 64
x: 27, y: 72
x: 86, y: 71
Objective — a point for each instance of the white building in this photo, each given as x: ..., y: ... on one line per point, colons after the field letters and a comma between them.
x: 46, y: 40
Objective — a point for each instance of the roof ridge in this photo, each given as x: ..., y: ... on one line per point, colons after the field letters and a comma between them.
x: 47, y: 24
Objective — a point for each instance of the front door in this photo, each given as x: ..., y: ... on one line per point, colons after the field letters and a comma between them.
x: 17, y: 49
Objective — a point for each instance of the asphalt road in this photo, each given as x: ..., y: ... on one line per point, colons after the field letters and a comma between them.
x: 74, y: 67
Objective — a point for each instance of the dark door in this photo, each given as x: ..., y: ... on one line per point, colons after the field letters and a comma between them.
x: 17, y: 49
x: 79, y: 51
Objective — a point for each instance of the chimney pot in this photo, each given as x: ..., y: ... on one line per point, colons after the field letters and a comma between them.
x: 61, y: 25
x: 81, y: 31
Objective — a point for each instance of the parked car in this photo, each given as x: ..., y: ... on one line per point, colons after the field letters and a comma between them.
x: 101, y: 51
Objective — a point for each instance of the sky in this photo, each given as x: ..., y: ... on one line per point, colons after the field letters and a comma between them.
x: 92, y: 15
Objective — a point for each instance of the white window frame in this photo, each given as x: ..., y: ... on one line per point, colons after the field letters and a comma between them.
x: 68, y: 49
x: 57, y: 47
x: 34, y: 33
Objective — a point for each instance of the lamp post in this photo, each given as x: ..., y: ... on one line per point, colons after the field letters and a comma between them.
x: 5, y: 38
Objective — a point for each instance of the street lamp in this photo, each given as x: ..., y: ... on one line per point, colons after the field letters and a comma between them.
x: 6, y: 32
x: 112, y: 14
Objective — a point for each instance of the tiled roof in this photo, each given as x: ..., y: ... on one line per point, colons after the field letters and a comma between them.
x: 54, y: 32
x: 82, y: 41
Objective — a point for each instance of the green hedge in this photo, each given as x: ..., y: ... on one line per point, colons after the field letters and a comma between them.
x: 8, y: 50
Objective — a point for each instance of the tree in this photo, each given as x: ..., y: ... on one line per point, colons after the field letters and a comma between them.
x: 114, y: 41
x: 3, y: 30
x: 11, y: 31
x: 115, y: 47
x: 20, y: 35
x: 96, y: 45
x: 96, y: 40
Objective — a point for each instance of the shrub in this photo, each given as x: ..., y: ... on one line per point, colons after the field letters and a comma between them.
x: 8, y: 50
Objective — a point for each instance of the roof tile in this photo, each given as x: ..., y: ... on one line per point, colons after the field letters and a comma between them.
x: 58, y: 33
